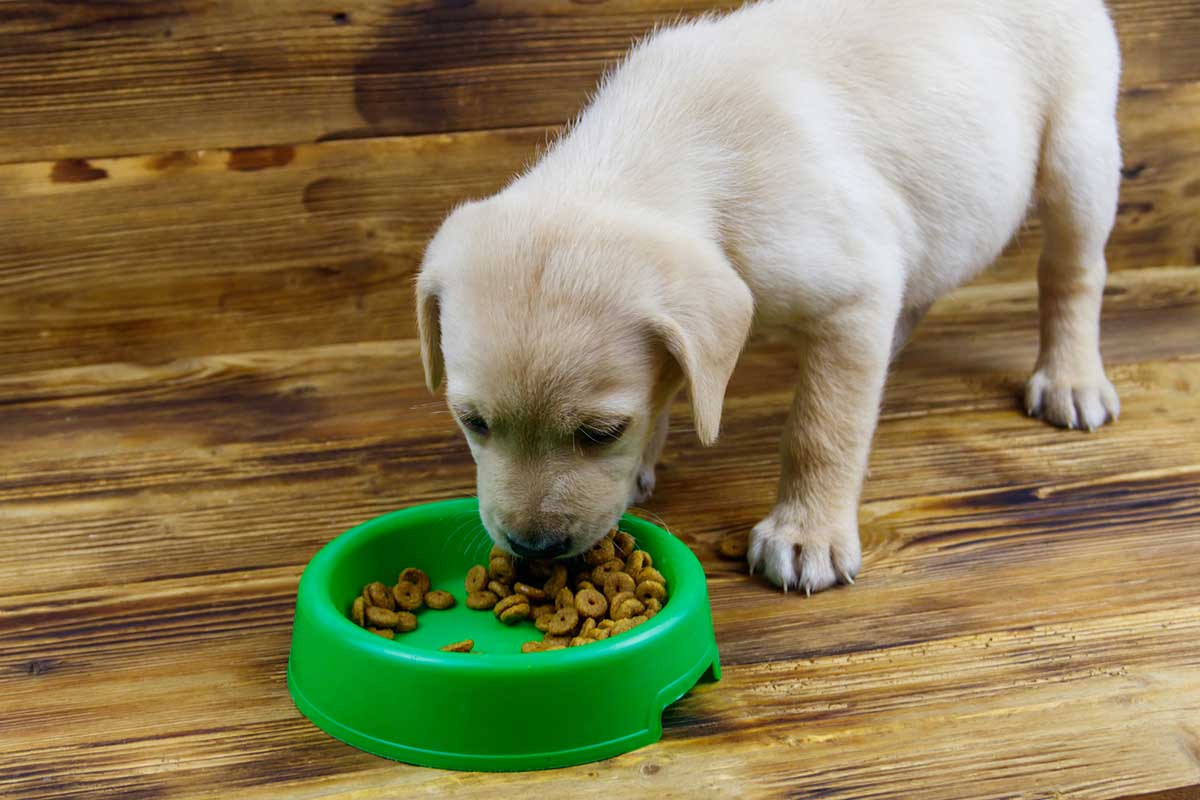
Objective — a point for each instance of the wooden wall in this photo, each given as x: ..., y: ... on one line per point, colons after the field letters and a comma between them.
x: 185, y: 177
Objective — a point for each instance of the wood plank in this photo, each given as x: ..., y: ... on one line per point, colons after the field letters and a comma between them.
x: 1025, y: 625
x: 199, y: 253
x: 93, y: 79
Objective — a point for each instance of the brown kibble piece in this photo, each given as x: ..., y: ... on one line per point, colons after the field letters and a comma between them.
x: 622, y: 626
x: 415, y: 576
x: 565, y: 598
x: 604, y: 570
x: 477, y: 578
x: 499, y: 589
x: 587, y: 627
x: 512, y: 601
x: 556, y: 641
x: 541, y: 610
x: 590, y: 603
x: 532, y: 592
x: 563, y: 621
x: 653, y: 606
x: 380, y: 617
x: 616, y: 583
x: 439, y: 600
x: 409, y: 596
x: 532, y: 647
x: 497, y: 552
x: 584, y: 584
x: 732, y: 547
x: 501, y: 569
x: 358, y: 611
x: 605, y: 624
x: 638, y: 560
x: 405, y: 622
x: 481, y: 600
x: 599, y: 634
x: 464, y: 646
x: 651, y: 574
x: 557, y: 580
x: 624, y: 544
x: 627, y: 607
x: 386, y: 633
x: 579, y: 641
x: 600, y: 552
x: 542, y: 623
x: 514, y: 614
x: 377, y: 594
x: 651, y: 589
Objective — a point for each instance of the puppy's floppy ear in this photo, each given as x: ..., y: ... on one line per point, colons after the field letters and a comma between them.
x: 703, y: 318
x: 429, y: 328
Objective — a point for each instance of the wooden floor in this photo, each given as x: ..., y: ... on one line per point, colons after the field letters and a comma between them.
x: 209, y: 219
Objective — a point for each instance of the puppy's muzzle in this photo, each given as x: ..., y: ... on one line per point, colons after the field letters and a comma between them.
x: 537, y: 544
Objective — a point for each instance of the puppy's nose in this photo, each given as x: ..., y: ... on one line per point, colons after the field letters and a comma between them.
x: 538, y: 545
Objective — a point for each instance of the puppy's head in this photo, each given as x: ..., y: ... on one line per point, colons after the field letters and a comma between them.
x: 562, y: 333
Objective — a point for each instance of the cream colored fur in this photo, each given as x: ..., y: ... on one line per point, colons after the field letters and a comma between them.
x: 822, y: 169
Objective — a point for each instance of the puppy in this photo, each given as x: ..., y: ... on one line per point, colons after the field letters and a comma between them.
x: 823, y: 169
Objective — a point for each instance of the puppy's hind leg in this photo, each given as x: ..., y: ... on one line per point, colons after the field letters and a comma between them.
x: 644, y: 486
x: 1078, y: 199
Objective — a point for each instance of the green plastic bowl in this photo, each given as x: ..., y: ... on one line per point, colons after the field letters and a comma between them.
x: 497, y: 708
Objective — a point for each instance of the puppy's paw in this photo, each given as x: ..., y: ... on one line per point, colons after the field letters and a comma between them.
x: 643, y: 486
x: 1070, y: 401
x: 809, y: 557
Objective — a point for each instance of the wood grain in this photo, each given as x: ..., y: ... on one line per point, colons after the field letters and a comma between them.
x: 1025, y: 623
x: 101, y: 79
x: 151, y: 258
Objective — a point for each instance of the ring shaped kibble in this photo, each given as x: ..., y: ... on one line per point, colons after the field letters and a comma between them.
x: 439, y: 600
x: 460, y: 647
x: 616, y: 583
x: 557, y: 580
x: 499, y: 589
x: 638, y: 560
x: 358, y: 610
x: 381, y: 618
x: 378, y: 594
x: 565, y: 598
x: 600, y: 552
x: 590, y: 603
x: 409, y: 596
x: 511, y: 613
x: 386, y: 633
x: 477, y: 578
x: 651, y: 574
x: 534, y: 594
x: 501, y: 569
x: 651, y: 589
x: 607, y: 568
x: 405, y: 621
x: 624, y: 544
x: 563, y: 621
x: 630, y: 607
x: 481, y: 600
x: 417, y: 576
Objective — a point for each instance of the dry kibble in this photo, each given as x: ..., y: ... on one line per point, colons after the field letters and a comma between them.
x: 439, y: 600
x: 481, y: 600
x: 653, y: 606
x: 358, y: 611
x: 584, y: 584
x: 590, y: 603
x: 540, y: 610
x: 497, y: 552
x: 501, y: 569
x: 556, y: 581
x: 605, y: 624
x: 622, y: 626
x: 624, y: 607
x: 651, y: 589
x: 477, y: 578
x: 464, y: 646
x: 377, y: 594
x: 515, y: 603
x: 600, y: 552
x: 405, y: 622
x: 499, y: 589
x: 732, y: 547
x: 616, y: 583
x: 409, y: 596
x: 650, y: 574
x: 386, y: 633
x: 563, y: 621
x: 564, y: 599
x: 542, y: 623
x: 638, y: 560
x: 534, y: 594
x: 624, y: 544
x: 416, y: 576
x: 556, y: 641
x: 381, y: 618
x: 578, y: 641
x: 587, y: 627
x: 602, y: 571
x: 532, y: 647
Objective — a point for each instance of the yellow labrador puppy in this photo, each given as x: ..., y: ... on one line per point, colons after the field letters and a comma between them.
x: 823, y: 168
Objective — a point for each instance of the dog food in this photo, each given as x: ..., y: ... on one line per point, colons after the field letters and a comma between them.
x: 613, y: 588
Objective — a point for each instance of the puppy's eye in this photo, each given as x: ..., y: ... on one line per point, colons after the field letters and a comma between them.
x: 475, y: 424
x: 597, y: 436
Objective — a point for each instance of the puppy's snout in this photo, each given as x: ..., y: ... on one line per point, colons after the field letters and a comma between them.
x: 537, y: 544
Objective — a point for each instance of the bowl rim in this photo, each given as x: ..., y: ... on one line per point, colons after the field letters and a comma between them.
x: 688, y: 589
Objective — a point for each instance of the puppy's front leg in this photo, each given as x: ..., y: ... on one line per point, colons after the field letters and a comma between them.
x: 810, y: 538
